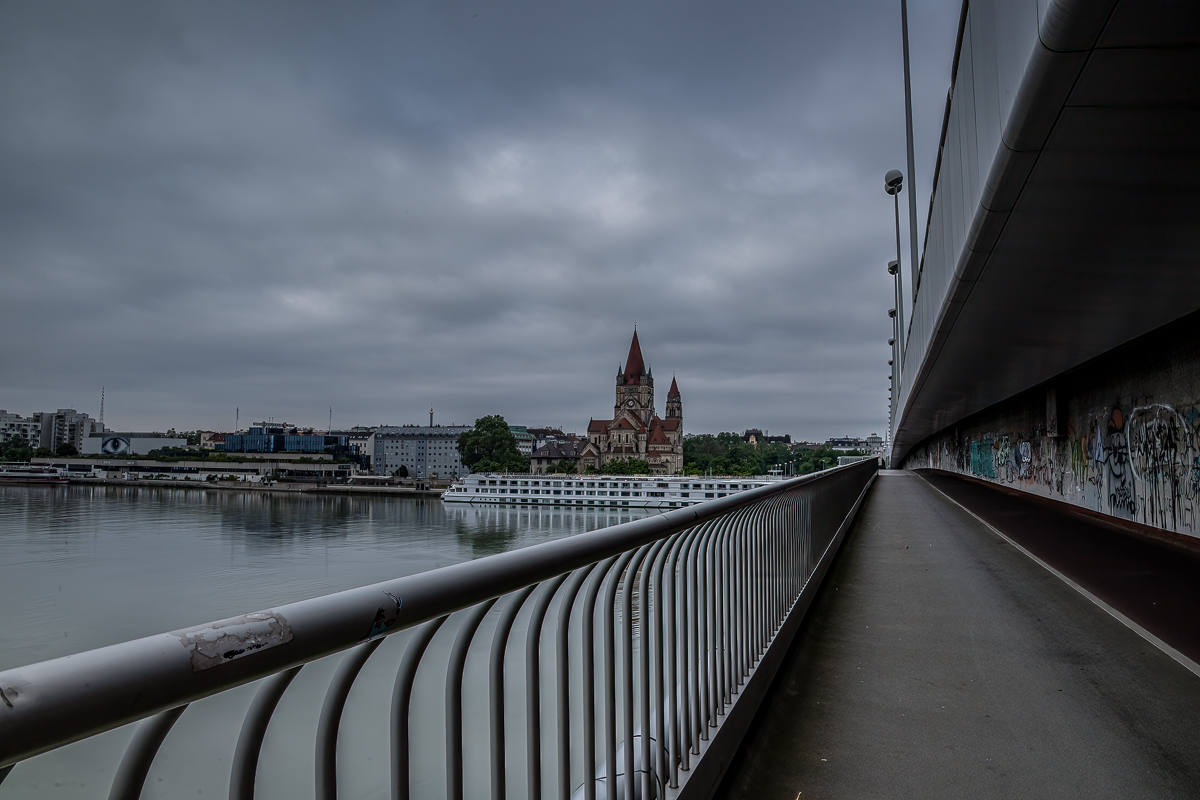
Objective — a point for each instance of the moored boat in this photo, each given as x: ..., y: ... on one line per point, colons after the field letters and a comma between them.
x: 26, y: 473
x: 608, y: 491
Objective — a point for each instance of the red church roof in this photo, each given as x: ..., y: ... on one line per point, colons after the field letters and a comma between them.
x: 634, y: 366
x: 674, y: 392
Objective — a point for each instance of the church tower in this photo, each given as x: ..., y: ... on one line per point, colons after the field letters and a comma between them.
x: 635, y: 386
x: 674, y: 401
x: 635, y: 431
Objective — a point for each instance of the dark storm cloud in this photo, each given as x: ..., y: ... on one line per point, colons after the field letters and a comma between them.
x: 379, y: 206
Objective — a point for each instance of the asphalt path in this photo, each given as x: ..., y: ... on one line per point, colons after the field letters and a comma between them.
x: 940, y: 661
x: 1154, y: 584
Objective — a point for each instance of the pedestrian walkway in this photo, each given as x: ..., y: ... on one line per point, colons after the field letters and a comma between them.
x: 1154, y: 584
x: 940, y: 661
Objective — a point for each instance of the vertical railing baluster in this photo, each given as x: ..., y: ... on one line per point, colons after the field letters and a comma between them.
x: 496, y: 688
x: 589, y: 676
x: 712, y: 591
x: 608, y: 609
x: 733, y: 603
x: 702, y: 637
x: 740, y: 600
x: 685, y: 616
x: 131, y: 774
x: 639, y: 562
x: 651, y: 638
x: 665, y: 668
x: 762, y: 542
x: 562, y: 652
x: 695, y: 643
x: 402, y: 700
x: 243, y: 775
x: 454, y: 681
x: 533, y: 685
x: 777, y: 559
x: 675, y: 691
x: 785, y: 538
x: 722, y: 584
x: 331, y: 717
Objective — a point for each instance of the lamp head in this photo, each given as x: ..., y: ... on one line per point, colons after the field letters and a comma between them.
x: 893, y: 181
x: 892, y: 313
x: 890, y: 362
x: 893, y: 267
x: 891, y: 342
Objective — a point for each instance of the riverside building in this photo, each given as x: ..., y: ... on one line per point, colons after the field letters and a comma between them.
x: 426, y: 452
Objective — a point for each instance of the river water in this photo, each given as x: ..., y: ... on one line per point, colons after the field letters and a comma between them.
x: 83, y: 567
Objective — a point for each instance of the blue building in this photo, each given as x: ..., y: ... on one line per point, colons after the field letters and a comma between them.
x: 282, y: 439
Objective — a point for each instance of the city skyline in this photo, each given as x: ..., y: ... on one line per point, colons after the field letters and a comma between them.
x: 282, y: 212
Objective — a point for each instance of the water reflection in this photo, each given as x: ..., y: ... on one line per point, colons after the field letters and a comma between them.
x: 86, y: 566
x: 151, y: 559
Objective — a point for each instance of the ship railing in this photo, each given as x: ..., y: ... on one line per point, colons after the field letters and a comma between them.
x: 649, y: 644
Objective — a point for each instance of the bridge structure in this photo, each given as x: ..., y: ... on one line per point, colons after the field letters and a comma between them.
x: 1009, y: 610
x: 1015, y: 610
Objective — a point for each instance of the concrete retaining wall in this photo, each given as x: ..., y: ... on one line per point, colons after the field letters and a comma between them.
x: 1119, y: 435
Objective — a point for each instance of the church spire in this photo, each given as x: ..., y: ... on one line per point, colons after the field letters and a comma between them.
x: 634, y: 366
x: 674, y: 391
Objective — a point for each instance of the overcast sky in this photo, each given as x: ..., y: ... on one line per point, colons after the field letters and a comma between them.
x: 378, y: 206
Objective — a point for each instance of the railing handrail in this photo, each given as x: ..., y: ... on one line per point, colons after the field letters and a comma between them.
x: 56, y: 702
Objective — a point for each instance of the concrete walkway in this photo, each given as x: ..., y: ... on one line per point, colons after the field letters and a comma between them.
x: 938, y: 661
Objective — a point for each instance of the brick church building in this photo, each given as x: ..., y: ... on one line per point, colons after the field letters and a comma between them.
x: 636, y: 430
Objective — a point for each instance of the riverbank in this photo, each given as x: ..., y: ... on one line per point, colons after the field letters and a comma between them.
x: 278, y: 488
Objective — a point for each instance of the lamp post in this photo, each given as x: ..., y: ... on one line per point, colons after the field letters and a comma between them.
x: 908, y: 130
x: 894, y: 363
x: 893, y: 183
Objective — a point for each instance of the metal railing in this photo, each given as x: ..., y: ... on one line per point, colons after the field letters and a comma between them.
x: 684, y: 616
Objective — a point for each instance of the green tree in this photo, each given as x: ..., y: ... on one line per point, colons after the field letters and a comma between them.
x: 401, y: 472
x: 16, y: 449
x: 565, y: 467
x: 627, y: 466
x: 726, y: 454
x: 491, y: 447
x: 45, y: 452
x: 66, y: 450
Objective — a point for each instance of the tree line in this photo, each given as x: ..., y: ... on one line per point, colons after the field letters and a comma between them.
x: 491, y: 447
x: 16, y: 448
x: 727, y: 454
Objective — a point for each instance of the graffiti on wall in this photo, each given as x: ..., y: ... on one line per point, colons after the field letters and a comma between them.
x: 1139, y: 462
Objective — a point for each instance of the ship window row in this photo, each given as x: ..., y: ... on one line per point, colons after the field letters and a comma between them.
x: 623, y: 485
x: 602, y: 502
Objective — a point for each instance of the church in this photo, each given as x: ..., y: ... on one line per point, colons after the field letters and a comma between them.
x: 635, y: 430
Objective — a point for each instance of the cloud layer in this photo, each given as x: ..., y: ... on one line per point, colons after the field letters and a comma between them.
x: 382, y: 206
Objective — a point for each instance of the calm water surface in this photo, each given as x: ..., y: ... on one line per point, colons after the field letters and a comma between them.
x: 83, y: 567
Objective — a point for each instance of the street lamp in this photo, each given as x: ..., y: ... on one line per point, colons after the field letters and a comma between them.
x: 893, y: 184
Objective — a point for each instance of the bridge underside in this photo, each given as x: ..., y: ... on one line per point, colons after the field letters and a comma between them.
x: 1088, y: 231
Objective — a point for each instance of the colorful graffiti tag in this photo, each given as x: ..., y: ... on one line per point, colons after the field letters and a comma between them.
x: 1137, y: 462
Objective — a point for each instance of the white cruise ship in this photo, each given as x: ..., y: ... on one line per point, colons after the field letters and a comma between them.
x: 621, y: 491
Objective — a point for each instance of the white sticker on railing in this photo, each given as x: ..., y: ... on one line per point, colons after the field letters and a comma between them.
x: 233, y: 638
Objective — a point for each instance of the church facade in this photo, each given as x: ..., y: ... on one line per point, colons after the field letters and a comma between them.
x: 636, y: 430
